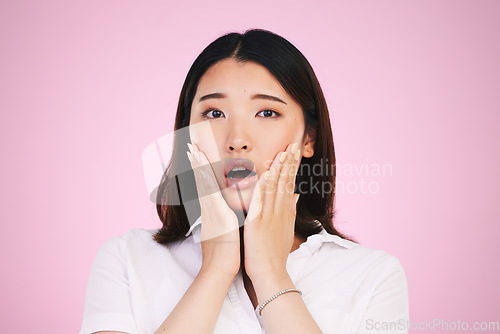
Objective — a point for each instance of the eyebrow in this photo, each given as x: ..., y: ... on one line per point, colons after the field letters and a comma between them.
x: 253, y: 97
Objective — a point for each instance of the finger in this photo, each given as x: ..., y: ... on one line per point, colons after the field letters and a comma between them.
x: 195, y: 164
x: 255, y: 208
x: 293, y: 207
x: 258, y: 197
x: 286, y: 181
x: 206, y: 182
x: 271, y: 178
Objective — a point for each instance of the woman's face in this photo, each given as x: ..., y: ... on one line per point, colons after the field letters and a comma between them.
x: 251, y: 119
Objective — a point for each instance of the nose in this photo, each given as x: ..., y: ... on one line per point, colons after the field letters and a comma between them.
x: 238, y: 138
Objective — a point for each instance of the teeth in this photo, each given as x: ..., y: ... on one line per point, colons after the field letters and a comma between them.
x: 235, y: 169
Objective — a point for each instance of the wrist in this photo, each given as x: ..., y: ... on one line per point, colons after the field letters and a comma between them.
x: 264, y: 270
x: 267, y: 285
x: 275, y: 274
x: 276, y: 295
x: 219, y: 275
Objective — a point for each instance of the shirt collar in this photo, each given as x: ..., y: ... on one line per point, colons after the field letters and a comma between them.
x: 327, y: 237
x: 313, y: 242
x: 195, y: 230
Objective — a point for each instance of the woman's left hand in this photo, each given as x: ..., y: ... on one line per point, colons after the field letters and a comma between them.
x: 270, y: 223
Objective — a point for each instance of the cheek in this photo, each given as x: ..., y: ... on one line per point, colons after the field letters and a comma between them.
x: 202, y: 135
x: 277, y: 142
x: 272, y: 149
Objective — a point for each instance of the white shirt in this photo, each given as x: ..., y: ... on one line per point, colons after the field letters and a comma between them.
x: 135, y: 283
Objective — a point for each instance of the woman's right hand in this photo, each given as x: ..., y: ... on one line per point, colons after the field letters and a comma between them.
x: 220, y: 239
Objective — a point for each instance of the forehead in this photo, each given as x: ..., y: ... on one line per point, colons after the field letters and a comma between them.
x: 231, y: 75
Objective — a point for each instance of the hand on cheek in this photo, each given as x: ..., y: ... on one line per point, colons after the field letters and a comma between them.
x: 220, y: 241
x: 269, y: 227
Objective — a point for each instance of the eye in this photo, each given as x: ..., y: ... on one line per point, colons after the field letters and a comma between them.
x: 268, y: 113
x: 212, y: 113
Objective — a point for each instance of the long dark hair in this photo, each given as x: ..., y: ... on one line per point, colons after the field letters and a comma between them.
x: 316, y: 207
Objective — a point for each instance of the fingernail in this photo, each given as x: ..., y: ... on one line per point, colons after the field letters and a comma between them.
x: 267, y: 175
x: 282, y: 157
x: 190, y: 147
x: 189, y: 157
x: 294, y: 148
x: 297, y: 155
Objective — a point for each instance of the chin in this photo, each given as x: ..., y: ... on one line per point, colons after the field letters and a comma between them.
x: 238, y: 201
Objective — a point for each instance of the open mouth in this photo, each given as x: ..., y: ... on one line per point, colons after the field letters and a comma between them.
x: 239, y: 173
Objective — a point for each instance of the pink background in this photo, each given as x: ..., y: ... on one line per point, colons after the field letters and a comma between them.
x: 86, y: 86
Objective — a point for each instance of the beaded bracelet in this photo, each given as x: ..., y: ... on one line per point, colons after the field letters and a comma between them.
x: 261, y: 307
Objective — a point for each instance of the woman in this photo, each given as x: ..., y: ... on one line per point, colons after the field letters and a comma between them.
x: 239, y: 250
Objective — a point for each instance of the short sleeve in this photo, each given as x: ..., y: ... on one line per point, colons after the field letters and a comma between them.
x: 107, y: 299
x: 388, y: 307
